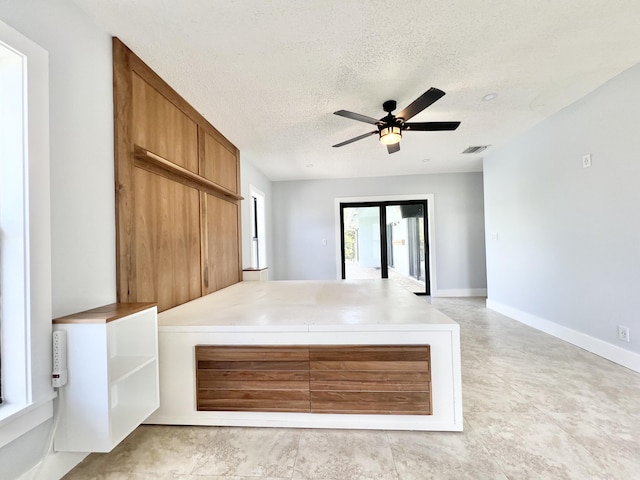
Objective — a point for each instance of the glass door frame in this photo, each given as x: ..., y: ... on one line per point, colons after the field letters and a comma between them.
x: 382, y: 204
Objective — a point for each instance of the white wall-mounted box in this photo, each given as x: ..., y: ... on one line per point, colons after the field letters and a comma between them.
x: 112, y: 361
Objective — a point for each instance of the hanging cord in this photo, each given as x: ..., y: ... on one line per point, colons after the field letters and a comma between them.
x: 48, y: 446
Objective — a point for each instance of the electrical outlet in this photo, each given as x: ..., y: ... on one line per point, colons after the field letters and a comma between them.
x: 586, y: 160
x: 59, y: 374
x: 623, y: 333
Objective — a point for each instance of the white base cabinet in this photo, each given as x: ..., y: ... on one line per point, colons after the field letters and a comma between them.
x: 112, y: 363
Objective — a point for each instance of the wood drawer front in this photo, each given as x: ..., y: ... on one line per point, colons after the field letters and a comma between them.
x: 267, y: 379
x: 381, y: 379
x: 370, y: 379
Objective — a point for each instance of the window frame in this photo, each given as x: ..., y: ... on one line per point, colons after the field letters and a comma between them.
x: 26, y: 342
x: 258, y: 227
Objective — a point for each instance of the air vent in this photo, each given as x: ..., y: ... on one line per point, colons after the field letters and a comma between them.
x: 476, y: 149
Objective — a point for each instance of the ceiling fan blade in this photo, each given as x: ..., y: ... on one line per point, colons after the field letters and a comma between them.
x: 355, y: 139
x: 423, y: 101
x: 357, y: 116
x: 393, y: 148
x: 430, y: 126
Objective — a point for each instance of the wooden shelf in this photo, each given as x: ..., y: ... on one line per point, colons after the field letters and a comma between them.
x: 144, y: 159
x: 104, y: 314
x: 122, y: 367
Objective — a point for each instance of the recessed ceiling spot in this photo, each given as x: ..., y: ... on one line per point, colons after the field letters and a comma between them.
x: 425, y: 160
x: 476, y: 149
x: 489, y: 96
x: 309, y: 165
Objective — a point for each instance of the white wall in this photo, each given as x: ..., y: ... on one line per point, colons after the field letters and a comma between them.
x: 81, y: 123
x: 567, y: 254
x: 81, y: 164
x: 304, y: 215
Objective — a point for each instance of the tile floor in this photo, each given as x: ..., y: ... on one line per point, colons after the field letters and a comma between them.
x: 535, y: 408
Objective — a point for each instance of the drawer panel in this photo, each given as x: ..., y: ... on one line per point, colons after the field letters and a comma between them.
x: 252, y: 378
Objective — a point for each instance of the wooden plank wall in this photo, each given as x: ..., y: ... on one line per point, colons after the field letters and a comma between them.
x: 177, y: 192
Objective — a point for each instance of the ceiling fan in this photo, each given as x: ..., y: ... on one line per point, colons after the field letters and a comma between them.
x: 390, y: 127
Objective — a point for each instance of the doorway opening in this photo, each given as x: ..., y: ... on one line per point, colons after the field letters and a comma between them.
x: 386, y: 239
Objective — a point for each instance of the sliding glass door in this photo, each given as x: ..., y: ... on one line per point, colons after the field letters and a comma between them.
x: 386, y: 240
x: 361, y: 242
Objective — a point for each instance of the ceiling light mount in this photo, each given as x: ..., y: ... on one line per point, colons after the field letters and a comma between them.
x: 389, y: 106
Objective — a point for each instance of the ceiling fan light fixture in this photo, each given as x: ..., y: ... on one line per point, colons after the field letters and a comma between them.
x: 390, y: 135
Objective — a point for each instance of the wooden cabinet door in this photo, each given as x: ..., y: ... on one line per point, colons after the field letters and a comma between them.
x: 376, y: 379
x: 218, y: 163
x: 266, y: 379
x: 162, y: 128
x: 166, y: 241
x: 220, y: 242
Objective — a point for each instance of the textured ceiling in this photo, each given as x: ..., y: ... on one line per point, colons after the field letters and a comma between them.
x: 270, y: 74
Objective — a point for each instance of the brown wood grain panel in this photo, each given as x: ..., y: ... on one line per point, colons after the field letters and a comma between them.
x: 374, y: 379
x: 247, y: 378
x: 244, y: 353
x: 379, y: 409
x: 123, y: 170
x: 268, y: 395
x: 167, y: 241
x: 253, y: 365
x: 150, y: 114
x: 371, y: 402
x: 400, y: 353
x: 369, y: 397
x: 159, y: 126
x: 253, y: 405
x: 358, y: 386
x: 221, y: 265
x: 135, y: 64
x: 252, y: 385
x: 105, y: 313
x: 155, y: 163
x: 218, y: 163
x: 208, y: 378
x: 259, y: 378
x: 369, y: 365
x: 398, y: 376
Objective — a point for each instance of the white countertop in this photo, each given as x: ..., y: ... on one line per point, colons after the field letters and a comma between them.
x: 338, y: 305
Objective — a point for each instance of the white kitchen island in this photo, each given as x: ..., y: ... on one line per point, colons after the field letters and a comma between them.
x: 307, y: 313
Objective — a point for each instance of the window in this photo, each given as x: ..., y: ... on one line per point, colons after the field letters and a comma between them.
x: 25, y: 245
x: 12, y: 219
x: 258, y: 242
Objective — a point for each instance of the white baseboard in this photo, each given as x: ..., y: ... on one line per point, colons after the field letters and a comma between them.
x: 56, y: 466
x: 461, y: 292
x: 616, y: 354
